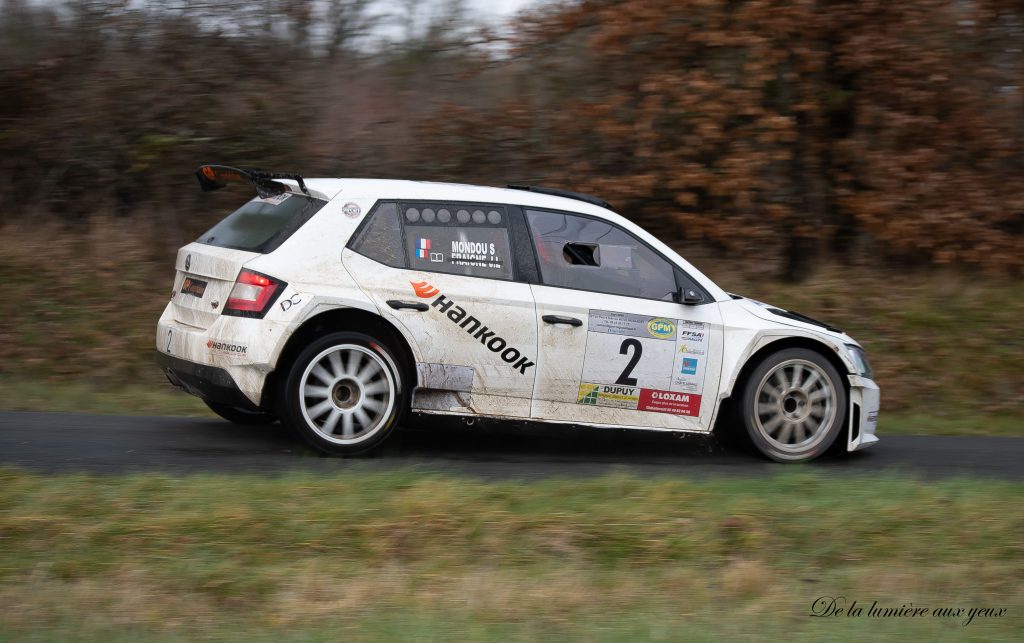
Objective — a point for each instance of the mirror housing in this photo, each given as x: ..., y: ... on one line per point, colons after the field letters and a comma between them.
x: 688, y: 296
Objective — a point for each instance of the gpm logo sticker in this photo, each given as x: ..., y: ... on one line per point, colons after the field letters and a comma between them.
x: 661, y: 328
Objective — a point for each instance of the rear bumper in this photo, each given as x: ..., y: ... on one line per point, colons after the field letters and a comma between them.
x: 208, y: 382
x: 863, y: 413
x: 244, y: 349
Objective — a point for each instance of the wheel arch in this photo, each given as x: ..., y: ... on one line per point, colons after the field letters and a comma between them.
x: 332, y: 320
x: 726, y: 411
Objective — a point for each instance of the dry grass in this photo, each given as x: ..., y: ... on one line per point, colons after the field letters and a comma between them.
x: 399, y: 556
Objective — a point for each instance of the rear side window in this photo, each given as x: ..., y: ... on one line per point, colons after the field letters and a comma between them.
x: 454, y: 238
x: 261, y: 225
x: 459, y: 239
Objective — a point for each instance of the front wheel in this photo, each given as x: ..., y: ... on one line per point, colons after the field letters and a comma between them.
x: 343, y: 393
x: 794, y: 404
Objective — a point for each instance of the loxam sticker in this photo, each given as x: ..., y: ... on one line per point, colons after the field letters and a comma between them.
x: 458, y: 315
x: 669, y: 402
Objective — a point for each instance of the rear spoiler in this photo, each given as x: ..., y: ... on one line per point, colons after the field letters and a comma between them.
x: 214, y: 177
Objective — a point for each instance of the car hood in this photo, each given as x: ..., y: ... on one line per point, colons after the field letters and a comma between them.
x: 783, y: 317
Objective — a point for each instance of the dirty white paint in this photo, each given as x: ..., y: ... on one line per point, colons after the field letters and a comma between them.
x: 574, y: 357
x: 461, y: 311
x: 481, y: 346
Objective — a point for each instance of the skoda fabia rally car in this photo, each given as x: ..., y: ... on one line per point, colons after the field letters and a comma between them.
x: 340, y: 305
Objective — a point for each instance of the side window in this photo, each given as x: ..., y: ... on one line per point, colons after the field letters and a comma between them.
x: 459, y: 239
x: 590, y: 254
x: 381, y: 239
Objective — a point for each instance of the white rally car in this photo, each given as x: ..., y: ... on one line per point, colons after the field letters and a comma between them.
x: 340, y: 305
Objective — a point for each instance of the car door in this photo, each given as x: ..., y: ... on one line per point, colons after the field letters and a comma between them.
x: 615, y: 346
x: 445, y: 272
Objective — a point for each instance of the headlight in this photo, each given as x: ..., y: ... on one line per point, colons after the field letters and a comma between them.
x: 860, y: 360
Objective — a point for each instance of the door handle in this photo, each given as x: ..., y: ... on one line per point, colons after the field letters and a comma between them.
x: 558, y: 319
x: 411, y: 305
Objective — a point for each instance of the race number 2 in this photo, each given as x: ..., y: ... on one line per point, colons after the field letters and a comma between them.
x: 638, y: 350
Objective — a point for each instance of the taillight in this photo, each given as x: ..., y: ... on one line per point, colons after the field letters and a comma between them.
x: 253, y: 294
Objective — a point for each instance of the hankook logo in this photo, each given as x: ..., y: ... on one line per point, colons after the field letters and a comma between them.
x: 457, y: 315
x: 225, y: 347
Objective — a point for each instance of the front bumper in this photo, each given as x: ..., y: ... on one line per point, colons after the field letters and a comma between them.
x: 863, y: 413
x: 208, y: 382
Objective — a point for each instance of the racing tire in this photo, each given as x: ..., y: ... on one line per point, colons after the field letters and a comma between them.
x: 241, y: 416
x: 344, y: 393
x: 794, y: 405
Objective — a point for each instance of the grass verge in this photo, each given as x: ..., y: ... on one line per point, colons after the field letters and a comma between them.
x: 400, y: 556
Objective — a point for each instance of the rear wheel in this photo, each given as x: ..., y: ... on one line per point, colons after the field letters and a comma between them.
x: 240, y: 416
x: 343, y: 393
x: 794, y: 404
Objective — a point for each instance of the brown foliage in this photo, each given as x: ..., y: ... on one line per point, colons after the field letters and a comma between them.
x: 796, y: 125
x: 777, y: 130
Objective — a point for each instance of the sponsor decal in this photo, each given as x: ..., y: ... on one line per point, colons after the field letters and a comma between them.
x: 669, y: 402
x: 472, y: 248
x: 639, y: 399
x: 226, y: 347
x: 475, y: 254
x: 473, y: 326
x: 423, y: 289
x: 188, y: 261
x: 688, y: 385
x: 622, y: 397
x: 872, y: 417
x: 194, y: 287
x: 422, y: 248
x: 351, y: 210
x: 689, y: 366
x: 661, y: 328
x: 646, y: 356
x: 287, y: 304
x: 616, y: 323
x: 275, y: 200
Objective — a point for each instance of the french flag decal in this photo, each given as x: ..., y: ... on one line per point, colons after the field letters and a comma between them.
x: 423, y: 248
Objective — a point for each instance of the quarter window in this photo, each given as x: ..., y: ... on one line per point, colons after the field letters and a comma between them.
x: 590, y: 254
x: 381, y: 240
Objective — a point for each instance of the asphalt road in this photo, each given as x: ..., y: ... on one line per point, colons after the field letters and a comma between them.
x: 51, y: 442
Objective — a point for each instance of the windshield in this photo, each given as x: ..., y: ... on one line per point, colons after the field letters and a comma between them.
x: 261, y: 225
